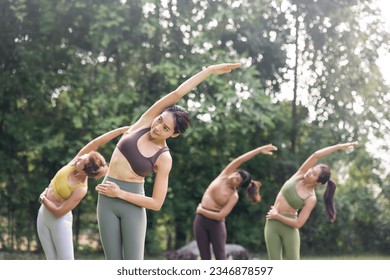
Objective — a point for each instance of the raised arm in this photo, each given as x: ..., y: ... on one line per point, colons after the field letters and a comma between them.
x: 235, y: 164
x: 174, y: 96
x: 102, y: 140
x: 313, y: 159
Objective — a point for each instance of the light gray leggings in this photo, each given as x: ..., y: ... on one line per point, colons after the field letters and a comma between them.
x: 55, y: 234
x: 122, y: 225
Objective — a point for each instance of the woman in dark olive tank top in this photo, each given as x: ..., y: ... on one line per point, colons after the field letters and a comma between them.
x: 141, y: 151
x: 281, y: 230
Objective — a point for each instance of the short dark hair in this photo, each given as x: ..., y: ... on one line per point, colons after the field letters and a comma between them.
x: 182, y: 118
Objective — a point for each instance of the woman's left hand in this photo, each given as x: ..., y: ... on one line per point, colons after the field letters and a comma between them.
x: 109, y: 189
x: 224, y: 68
x: 44, y: 192
x: 268, y: 149
x: 347, y: 146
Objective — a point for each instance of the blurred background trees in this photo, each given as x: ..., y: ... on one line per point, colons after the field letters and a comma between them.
x: 71, y: 70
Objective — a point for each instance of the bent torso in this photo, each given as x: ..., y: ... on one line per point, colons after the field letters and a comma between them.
x: 71, y: 181
x: 281, y: 204
x: 52, y: 197
x: 120, y: 168
x: 217, y: 194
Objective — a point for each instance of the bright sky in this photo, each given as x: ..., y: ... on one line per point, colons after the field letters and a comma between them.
x: 385, y: 60
x: 384, y: 63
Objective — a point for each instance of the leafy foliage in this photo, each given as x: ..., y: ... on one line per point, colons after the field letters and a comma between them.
x: 71, y: 70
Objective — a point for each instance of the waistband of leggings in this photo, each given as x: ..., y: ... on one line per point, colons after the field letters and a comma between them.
x: 288, y: 215
x: 133, y: 187
x: 207, y: 218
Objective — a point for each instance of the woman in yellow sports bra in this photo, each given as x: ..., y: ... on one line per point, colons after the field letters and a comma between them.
x: 281, y: 230
x: 65, y: 191
x: 142, y: 150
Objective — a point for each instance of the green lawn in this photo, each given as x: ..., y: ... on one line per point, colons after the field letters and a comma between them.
x: 33, y: 256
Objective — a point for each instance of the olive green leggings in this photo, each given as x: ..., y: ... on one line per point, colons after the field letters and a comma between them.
x: 279, y: 236
x: 122, y: 225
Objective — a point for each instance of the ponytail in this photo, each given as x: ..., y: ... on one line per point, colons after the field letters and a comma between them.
x: 330, y: 210
x: 252, y: 191
x: 252, y: 187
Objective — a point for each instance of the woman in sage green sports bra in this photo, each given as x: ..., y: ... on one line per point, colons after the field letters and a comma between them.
x: 142, y: 150
x: 65, y: 191
x: 283, y: 221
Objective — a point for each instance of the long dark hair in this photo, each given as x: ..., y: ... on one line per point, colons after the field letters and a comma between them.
x: 182, y: 118
x: 330, y: 209
x: 252, y: 187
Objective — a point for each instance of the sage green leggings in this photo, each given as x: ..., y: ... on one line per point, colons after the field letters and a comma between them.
x: 122, y: 225
x: 279, y: 236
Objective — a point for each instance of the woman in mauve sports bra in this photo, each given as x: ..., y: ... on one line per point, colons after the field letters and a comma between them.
x: 283, y: 221
x: 219, y: 199
x: 65, y: 191
x: 141, y: 151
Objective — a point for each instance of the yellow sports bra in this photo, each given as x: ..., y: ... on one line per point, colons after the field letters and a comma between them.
x: 60, y: 185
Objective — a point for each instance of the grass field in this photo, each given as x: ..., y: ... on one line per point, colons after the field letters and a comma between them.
x: 33, y: 256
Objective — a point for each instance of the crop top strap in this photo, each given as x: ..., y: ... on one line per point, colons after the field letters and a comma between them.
x: 156, y: 155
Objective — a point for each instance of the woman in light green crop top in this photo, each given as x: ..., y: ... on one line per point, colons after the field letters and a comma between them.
x: 283, y: 221
x: 65, y: 191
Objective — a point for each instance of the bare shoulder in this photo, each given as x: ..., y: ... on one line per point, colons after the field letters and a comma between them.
x: 164, y: 160
x: 311, y: 200
x: 80, y: 192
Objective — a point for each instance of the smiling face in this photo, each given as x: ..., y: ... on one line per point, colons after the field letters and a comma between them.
x: 163, y: 126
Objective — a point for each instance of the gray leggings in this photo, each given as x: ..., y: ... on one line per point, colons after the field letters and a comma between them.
x: 55, y: 234
x: 279, y: 236
x: 122, y: 225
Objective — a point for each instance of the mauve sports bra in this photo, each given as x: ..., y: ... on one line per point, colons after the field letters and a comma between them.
x: 141, y: 165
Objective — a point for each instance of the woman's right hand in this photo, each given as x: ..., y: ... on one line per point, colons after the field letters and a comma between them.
x: 223, y: 68
x: 44, y: 192
x: 272, y: 213
x: 109, y: 189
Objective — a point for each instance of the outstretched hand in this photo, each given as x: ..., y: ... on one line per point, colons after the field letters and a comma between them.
x: 268, y: 149
x: 224, y: 68
x: 348, y: 146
